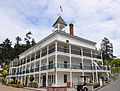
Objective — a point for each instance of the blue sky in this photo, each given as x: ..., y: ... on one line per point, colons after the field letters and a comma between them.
x: 92, y: 19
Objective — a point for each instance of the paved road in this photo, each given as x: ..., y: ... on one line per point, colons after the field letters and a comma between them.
x: 8, y: 88
x: 114, y: 86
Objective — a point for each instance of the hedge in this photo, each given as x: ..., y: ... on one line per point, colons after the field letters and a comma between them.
x: 15, y: 85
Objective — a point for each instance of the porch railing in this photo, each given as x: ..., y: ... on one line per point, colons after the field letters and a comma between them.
x: 63, y: 66
x: 61, y: 49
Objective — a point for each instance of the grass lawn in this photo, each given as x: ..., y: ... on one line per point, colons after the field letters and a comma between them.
x: 114, y: 70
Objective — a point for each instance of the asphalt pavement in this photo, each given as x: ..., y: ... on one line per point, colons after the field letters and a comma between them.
x: 114, y: 86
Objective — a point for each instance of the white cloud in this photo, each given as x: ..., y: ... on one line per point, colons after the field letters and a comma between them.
x: 93, y: 19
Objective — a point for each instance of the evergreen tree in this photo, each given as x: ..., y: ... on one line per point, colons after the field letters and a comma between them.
x: 107, y: 50
x: 27, y: 40
x: 6, y: 51
x: 17, y: 47
x: 33, y: 42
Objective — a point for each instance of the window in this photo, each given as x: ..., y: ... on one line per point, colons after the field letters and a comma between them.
x: 65, y: 78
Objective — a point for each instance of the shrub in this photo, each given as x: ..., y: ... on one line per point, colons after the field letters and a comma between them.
x: 31, y: 78
x: 30, y: 84
x: 103, y: 77
x: 96, y: 85
x: 33, y: 84
x: 90, y: 80
x: 15, y: 85
x: 12, y: 81
x: 3, y: 81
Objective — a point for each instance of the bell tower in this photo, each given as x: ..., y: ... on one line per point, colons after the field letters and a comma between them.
x: 59, y: 24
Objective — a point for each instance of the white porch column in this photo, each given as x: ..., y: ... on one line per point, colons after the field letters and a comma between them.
x: 92, y: 67
x: 34, y: 65
x: 25, y: 70
x: 55, y: 63
x: 40, y: 69
x: 96, y: 74
x: 82, y: 63
x: 30, y: 64
x: 47, y: 67
x: 70, y: 66
x: 21, y: 80
x: 21, y: 72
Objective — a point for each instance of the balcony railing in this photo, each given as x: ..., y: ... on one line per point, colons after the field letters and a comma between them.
x: 43, y: 68
x: 24, y: 62
x: 23, y: 72
x: 44, y: 53
x: 32, y: 58
x: 31, y: 70
x: 63, y: 65
x: 96, y: 56
x: 15, y: 65
x: 38, y: 56
x: 51, y: 50
x: 76, y: 66
x: 76, y: 52
x: 28, y: 60
x: 61, y: 49
x: 87, y: 67
x: 27, y: 71
x: 86, y: 54
x: 36, y: 69
x: 51, y: 66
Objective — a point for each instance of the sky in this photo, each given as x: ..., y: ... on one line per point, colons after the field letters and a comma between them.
x: 92, y: 19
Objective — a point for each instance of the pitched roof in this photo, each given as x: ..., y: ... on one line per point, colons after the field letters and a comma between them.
x: 60, y: 20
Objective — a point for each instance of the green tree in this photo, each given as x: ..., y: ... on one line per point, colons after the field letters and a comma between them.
x: 18, y: 48
x: 116, y: 63
x: 18, y: 39
x: 33, y: 42
x: 27, y: 40
x: 6, y: 51
x: 107, y: 50
x: 31, y: 78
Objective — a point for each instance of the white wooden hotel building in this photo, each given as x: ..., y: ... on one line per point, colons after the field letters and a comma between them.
x: 58, y: 59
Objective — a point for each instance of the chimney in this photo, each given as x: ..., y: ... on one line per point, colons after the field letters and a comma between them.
x: 71, y: 29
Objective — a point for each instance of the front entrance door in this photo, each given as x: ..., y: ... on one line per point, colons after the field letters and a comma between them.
x: 44, y: 81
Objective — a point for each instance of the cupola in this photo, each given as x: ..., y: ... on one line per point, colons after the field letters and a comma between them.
x: 59, y: 24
